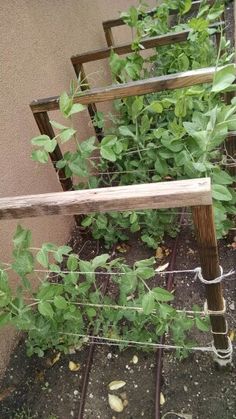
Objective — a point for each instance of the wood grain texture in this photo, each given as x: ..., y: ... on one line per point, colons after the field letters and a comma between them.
x: 153, y: 42
x: 134, y: 88
x: 207, y: 247
x: 121, y: 198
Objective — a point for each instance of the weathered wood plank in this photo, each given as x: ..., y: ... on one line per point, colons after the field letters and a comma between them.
x: 153, y: 42
x: 134, y: 88
x: 174, y: 194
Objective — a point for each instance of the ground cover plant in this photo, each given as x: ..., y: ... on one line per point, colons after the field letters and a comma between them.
x: 69, y: 303
x: 166, y: 136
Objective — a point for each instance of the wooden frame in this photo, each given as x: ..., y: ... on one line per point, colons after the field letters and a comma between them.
x: 113, y: 23
x: 79, y: 60
x: 195, y: 193
x: 40, y: 108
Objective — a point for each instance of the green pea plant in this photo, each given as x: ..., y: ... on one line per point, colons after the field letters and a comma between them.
x: 163, y: 136
x: 69, y: 302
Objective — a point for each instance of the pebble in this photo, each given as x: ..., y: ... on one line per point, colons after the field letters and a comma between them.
x: 232, y: 306
x: 76, y: 392
x: 72, y: 413
x: 109, y: 355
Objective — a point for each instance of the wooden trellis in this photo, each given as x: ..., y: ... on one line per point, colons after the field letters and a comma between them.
x: 79, y: 60
x: 113, y: 23
x: 40, y: 108
x: 195, y: 193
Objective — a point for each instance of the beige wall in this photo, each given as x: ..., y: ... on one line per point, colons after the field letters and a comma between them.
x: 37, y: 38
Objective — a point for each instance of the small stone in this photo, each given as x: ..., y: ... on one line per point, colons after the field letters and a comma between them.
x: 72, y: 413
x: 123, y: 395
x: 109, y: 355
x: 76, y: 392
x: 232, y: 306
x: 125, y: 403
x: 135, y: 359
x: 185, y: 389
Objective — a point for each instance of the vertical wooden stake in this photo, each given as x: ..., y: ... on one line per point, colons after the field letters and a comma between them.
x: 109, y: 36
x: 207, y: 244
x: 92, y: 109
x: 45, y: 127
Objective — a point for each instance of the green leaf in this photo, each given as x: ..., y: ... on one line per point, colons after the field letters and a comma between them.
x: 133, y: 217
x: 76, y: 108
x: 126, y: 132
x: 100, y: 260
x: 107, y: 153
x: 57, y: 125
x: 48, y: 291
x: 65, y: 104
x: 40, y: 155
x: 60, y: 302
x: 137, y: 107
x: 50, y: 145
x: 42, y: 258
x: 222, y: 178
x: 148, y: 303
x: 156, y: 107
x: 200, y: 167
x: 67, y: 134
x: 109, y: 140
x: 202, y: 324
x: 91, y: 312
x: 22, y: 238
x: 87, y: 146
x: 87, y: 221
x: 24, y: 263
x: 72, y: 263
x: 161, y: 294
x: 78, y: 167
x: 145, y: 272
x: 45, y: 309
x: 40, y: 140
x: 221, y: 193
x: 223, y: 78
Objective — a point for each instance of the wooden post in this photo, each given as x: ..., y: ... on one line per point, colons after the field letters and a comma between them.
x: 109, y: 36
x: 207, y: 244
x: 92, y: 109
x: 45, y: 127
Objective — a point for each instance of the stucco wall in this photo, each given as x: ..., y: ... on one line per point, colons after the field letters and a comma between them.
x: 37, y: 38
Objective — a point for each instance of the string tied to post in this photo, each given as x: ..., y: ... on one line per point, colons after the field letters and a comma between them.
x: 214, y: 281
x: 223, y: 354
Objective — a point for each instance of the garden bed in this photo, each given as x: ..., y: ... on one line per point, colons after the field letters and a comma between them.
x: 191, y: 386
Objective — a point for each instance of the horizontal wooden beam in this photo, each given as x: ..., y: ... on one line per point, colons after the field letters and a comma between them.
x: 134, y: 88
x: 176, y: 194
x: 156, y: 41
x: 112, y: 23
